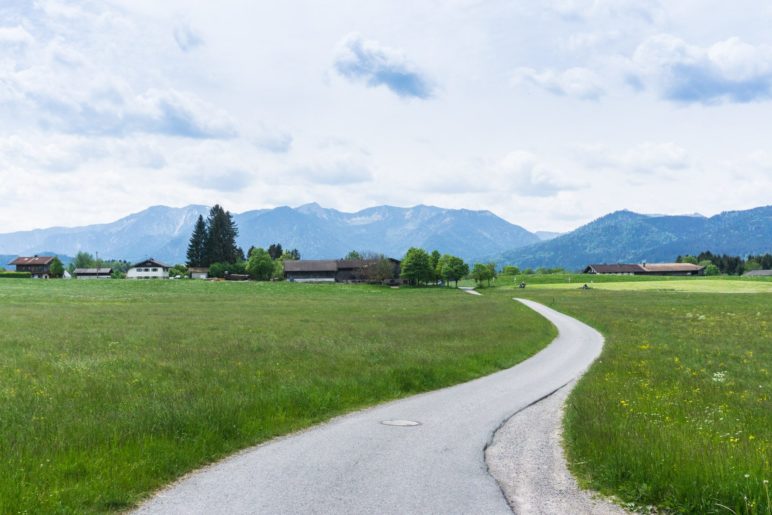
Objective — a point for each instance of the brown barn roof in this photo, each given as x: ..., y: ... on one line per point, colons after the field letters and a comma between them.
x: 150, y: 262
x: 350, y: 264
x: 35, y: 260
x: 311, y: 265
x: 93, y: 271
x: 619, y: 268
x: 672, y: 267
x: 758, y: 273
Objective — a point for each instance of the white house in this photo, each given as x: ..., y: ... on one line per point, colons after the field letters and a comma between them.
x: 148, y: 269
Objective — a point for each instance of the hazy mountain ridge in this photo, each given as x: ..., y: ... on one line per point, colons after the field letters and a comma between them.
x: 627, y: 237
x: 164, y: 232
x: 318, y: 232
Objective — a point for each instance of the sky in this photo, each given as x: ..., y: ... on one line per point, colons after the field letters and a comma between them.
x: 549, y: 114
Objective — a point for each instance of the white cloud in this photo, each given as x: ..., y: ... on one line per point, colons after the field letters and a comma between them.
x: 574, y: 82
x: 727, y: 71
x: 15, y: 36
x: 523, y: 173
x: 187, y: 38
x: 644, y: 158
x: 364, y: 60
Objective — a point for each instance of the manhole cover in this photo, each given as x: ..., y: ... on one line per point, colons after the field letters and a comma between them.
x: 402, y: 423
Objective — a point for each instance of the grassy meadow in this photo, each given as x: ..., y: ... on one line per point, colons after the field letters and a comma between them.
x: 111, y: 389
x: 677, y: 410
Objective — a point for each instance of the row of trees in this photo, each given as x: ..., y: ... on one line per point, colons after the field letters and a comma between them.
x: 421, y: 267
x: 724, y: 264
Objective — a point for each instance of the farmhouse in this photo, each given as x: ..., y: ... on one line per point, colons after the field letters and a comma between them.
x: 148, y: 269
x: 198, y: 272
x: 38, y: 266
x: 646, y: 269
x: 311, y: 270
x: 758, y: 273
x: 93, y: 273
x: 342, y: 270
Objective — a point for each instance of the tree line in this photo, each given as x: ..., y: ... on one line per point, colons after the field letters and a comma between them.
x: 725, y: 264
x: 213, y: 245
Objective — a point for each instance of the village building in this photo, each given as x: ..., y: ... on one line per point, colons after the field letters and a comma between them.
x: 198, y: 272
x: 38, y: 266
x: 342, y: 270
x: 646, y: 269
x: 93, y: 273
x: 758, y: 273
x: 148, y: 269
x: 310, y: 270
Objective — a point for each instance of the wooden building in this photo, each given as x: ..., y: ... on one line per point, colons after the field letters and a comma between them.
x: 310, y: 270
x: 646, y: 269
x: 342, y: 270
x: 38, y: 266
x: 93, y: 273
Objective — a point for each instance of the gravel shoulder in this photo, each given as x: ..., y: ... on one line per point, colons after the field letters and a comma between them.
x: 526, y: 457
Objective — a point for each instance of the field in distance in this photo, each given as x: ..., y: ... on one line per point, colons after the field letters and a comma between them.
x: 676, y: 412
x: 110, y: 389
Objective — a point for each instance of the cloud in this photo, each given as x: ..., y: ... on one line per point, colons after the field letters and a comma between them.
x: 228, y: 181
x: 273, y: 141
x: 727, y: 71
x: 187, y: 39
x: 647, y: 158
x: 574, y: 82
x: 527, y: 176
x: 335, y: 171
x: 648, y: 11
x: 15, y: 36
x: 358, y: 59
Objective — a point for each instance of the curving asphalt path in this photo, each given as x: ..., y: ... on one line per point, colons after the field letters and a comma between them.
x: 356, y: 464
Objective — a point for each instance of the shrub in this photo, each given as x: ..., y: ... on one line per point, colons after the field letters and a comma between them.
x: 15, y: 275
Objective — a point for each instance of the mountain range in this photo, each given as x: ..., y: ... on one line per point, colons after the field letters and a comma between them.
x: 623, y: 236
x: 627, y: 237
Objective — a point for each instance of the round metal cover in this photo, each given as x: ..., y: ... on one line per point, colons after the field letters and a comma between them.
x: 402, y: 423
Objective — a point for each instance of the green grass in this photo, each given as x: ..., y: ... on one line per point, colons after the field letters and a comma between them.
x: 703, y: 285
x: 110, y: 389
x: 677, y: 410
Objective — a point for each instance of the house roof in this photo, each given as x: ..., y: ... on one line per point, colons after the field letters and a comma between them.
x: 198, y: 270
x: 35, y: 260
x: 618, y: 268
x: 346, y: 264
x: 759, y: 273
x: 310, y: 265
x: 672, y: 267
x: 150, y: 262
x: 93, y: 271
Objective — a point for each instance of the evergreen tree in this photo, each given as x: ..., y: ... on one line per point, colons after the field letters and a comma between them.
x: 197, y: 246
x: 221, y: 233
x: 274, y: 250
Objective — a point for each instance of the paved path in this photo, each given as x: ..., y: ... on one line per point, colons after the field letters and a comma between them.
x: 356, y: 464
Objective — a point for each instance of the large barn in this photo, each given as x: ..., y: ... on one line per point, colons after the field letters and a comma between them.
x: 646, y: 269
x: 38, y: 266
x: 342, y: 270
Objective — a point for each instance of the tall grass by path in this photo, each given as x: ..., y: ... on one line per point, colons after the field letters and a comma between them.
x: 676, y: 412
x: 110, y: 389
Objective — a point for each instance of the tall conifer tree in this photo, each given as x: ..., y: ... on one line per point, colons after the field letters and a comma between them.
x: 197, y: 246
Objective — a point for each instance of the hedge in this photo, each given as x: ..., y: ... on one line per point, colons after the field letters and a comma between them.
x: 15, y: 275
